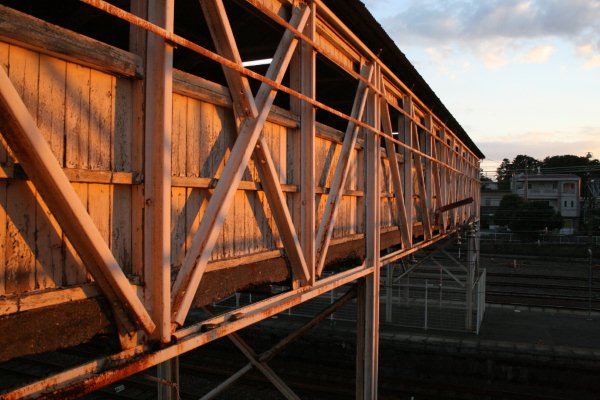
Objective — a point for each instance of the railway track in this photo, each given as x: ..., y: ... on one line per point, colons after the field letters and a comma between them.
x: 328, y: 376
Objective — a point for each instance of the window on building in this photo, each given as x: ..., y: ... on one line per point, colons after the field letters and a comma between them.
x: 565, y: 203
x: 529, y: 186
x: 569, y: 187
x: 519, y: 185
x: 554, y: 185
x: 572, y: 203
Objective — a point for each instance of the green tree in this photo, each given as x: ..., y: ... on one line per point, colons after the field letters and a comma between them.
x: 584, y: 167
x: 533, y: 217
x: 520, y: 164
x: 506, y: 212
x: 527, y: 218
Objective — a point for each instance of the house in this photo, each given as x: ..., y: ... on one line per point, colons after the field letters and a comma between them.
x: 560, y: 191
x: 490, y: 201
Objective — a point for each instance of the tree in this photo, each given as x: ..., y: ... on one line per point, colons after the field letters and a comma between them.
x: 507, y: 209
x: 503, y: 172
x: 533, y: 217
x: 527, y: 218
x: 520, y: 164
x: 584, y: 167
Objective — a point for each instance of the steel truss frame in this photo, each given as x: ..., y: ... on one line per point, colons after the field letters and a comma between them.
x: 442, y: 166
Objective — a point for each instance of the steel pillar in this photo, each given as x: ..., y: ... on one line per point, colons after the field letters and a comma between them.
x: 471, y: 260
x: 368, y: 289
x: 168, y: 372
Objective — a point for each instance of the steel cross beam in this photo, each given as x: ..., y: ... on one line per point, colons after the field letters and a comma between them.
x: 395, y: 172
x: 262, y: 367
x: 284, y: 343
x: 100, y: 372
x: 341, y: 171
x: 245, y: 108
x: 30, y: 147
x: 259, y: 364
x: 189, y: 276
x: 423, y: 195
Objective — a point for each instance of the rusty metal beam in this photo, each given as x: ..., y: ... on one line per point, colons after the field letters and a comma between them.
x: 157, y: 176
x: 190, y: 274
x: 245, y: 109
x: 171, y: 37
x: 95, y: 374
x: 285, y: 342
x: 341, y: 171
x: 402, y: 221
x: 367, y: 352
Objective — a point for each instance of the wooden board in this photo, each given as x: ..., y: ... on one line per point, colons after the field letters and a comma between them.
x: 20, y: 235
x: 74, y: 271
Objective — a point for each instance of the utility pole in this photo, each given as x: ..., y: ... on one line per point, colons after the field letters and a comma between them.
x: 526, y: 181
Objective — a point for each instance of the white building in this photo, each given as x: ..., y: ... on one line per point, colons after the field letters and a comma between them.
x: 560, y: 191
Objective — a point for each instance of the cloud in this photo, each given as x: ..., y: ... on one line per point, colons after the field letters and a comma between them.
x: 592, y: 62
x: 590, y: 54
x: 538, y: 54
x: 494, y: 29
x: 431, y: 20
x: 542, y: 144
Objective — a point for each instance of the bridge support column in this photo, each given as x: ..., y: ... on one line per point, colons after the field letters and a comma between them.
x: 168, y: 373
x: 472, y: 261
x: 367, y: 352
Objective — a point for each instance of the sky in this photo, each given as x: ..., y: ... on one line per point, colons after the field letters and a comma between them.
x: 520, y: 76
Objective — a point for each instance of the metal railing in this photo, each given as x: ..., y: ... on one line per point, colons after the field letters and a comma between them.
x: 505, y: 237
x: 413, y: 301
x: 434, y: 303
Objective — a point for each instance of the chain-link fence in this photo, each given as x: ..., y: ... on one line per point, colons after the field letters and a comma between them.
x: 435, y: 295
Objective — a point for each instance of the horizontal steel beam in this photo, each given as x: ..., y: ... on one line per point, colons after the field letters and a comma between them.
x: 100, y: 372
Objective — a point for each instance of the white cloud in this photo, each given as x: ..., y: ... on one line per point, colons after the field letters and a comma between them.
x: 591, y: 55
x: 592, y: 62
x: 585, y: 49
x: 538, y: 54
x: 492, y: 53
x: 496, y: 30
x: 542, y: 144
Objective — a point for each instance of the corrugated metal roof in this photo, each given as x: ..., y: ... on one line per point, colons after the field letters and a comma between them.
x: 358, y: 18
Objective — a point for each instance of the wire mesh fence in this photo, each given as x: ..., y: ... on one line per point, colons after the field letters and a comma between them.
x: 509, y: 237
x: 436, y: 296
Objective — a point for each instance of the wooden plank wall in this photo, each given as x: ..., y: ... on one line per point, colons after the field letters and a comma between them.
x: 85, y: 115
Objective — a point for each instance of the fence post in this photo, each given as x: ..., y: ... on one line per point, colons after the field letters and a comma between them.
x: 389, y: 278
x: 590, y: 287
x: 425, y: 327
x: 471, y: 259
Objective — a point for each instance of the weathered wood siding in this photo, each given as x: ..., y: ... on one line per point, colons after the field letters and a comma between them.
x: 86, y: 117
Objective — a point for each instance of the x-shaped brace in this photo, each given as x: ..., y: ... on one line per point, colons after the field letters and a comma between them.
x: 248, y: 140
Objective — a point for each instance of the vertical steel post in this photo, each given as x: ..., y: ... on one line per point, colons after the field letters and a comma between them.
x: 157, y: 185
x: 471, y: 262
x: 307, y: 79
x: 168, y: 372
x: 368, y: 293
x: 157, y: 171
x: 389, y: 298
x: 590, y: 286
x: 426, y: 306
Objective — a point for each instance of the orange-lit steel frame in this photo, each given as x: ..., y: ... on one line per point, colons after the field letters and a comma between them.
x: 425, y: 151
